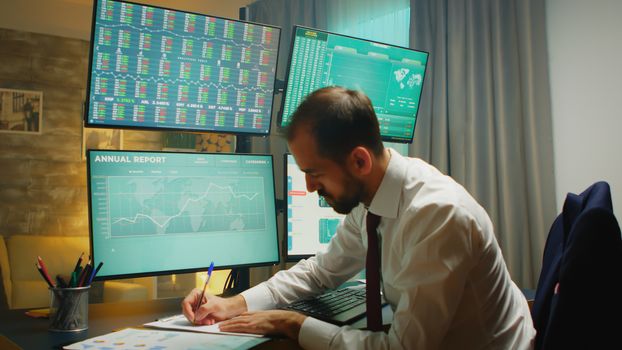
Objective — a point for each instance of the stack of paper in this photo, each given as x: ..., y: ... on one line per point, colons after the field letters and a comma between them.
x: 180, y: 322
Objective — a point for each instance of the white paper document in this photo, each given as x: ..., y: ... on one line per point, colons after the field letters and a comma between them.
x: 153, y: 339
x: 180, y: 322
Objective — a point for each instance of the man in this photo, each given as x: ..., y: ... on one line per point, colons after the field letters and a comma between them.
x: 442, y: 270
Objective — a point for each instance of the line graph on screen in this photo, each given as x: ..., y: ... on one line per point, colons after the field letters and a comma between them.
x: 183, y: 205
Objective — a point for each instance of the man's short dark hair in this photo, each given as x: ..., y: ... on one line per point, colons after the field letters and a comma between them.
x: 339, y: 120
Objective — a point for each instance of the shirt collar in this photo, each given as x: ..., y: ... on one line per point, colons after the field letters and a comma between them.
x: 387, y: 199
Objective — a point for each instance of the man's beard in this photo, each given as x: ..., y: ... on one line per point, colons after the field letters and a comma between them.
x: 352, y: 196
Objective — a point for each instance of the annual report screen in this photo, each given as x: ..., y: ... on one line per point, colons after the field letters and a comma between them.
x: 161, y: 211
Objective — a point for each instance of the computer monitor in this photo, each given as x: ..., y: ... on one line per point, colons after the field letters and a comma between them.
x: 155, y: 213
x: 311, y: 222
x: 390, y: 75
x: 157, y: 68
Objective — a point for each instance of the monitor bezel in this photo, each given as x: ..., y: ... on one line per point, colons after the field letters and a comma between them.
x: 178, y: 271
x: 279, y: 122
x: 86, y: 104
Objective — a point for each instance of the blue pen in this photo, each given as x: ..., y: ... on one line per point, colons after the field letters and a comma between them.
x: 95, y: 271
x: 209, y: 275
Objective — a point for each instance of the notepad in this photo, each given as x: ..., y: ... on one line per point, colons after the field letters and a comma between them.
x: 179, y: 322
x: 131, y: 338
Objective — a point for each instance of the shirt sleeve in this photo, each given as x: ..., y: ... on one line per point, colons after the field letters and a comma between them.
x: 258, y: 298
x: 344, y: 257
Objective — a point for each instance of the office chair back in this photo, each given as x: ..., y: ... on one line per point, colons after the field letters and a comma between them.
x: 578, y: 302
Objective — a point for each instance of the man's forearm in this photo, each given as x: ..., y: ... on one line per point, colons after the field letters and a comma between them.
x: 236, y: 305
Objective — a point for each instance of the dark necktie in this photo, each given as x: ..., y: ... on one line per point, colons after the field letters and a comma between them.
x: 372, y: 266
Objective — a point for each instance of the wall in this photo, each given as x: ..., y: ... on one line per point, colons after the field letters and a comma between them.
x: 42, y: 184
x: 72, y: 18
x: 585, y: 51
x: 43, y: 178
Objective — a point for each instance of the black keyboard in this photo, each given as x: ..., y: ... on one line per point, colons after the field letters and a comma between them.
x: 340, y: 306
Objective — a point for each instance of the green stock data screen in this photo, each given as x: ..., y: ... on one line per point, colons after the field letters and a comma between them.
x: 163, y: 212
x: 391, y: 76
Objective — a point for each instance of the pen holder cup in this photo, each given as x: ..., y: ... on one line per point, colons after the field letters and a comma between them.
x: 69, y: 309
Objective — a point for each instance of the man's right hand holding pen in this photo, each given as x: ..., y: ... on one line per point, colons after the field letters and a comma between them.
x: 233, y: 312
x: 211, y: 308
x: 205, y: 309
x: 201, y: 308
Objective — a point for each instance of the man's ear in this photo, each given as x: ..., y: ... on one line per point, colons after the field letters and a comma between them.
x: 360, y: 161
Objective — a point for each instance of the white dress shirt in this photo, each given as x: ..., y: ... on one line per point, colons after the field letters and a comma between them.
x: 442, y: 271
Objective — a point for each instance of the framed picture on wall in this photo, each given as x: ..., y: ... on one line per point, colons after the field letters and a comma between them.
x: 101, y: 139
x: 21, y: 111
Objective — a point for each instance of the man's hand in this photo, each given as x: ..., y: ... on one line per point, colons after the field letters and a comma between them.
x: 212, y: 309
x: 271, y: 322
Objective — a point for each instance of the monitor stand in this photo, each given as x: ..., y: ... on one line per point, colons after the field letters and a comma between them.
x: 237, y: 281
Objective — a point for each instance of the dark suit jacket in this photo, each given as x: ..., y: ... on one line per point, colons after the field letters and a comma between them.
x: 578, y: 302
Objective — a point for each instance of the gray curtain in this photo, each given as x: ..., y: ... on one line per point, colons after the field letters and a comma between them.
x: 485, y: 115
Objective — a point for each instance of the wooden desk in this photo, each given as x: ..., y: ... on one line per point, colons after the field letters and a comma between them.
x: 31, y: 333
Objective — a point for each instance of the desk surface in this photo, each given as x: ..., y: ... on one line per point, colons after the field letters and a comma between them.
x: 31, y: 333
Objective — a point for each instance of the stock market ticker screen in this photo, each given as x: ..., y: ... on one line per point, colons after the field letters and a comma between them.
x: 158, y: 68
x: 391, y: 76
